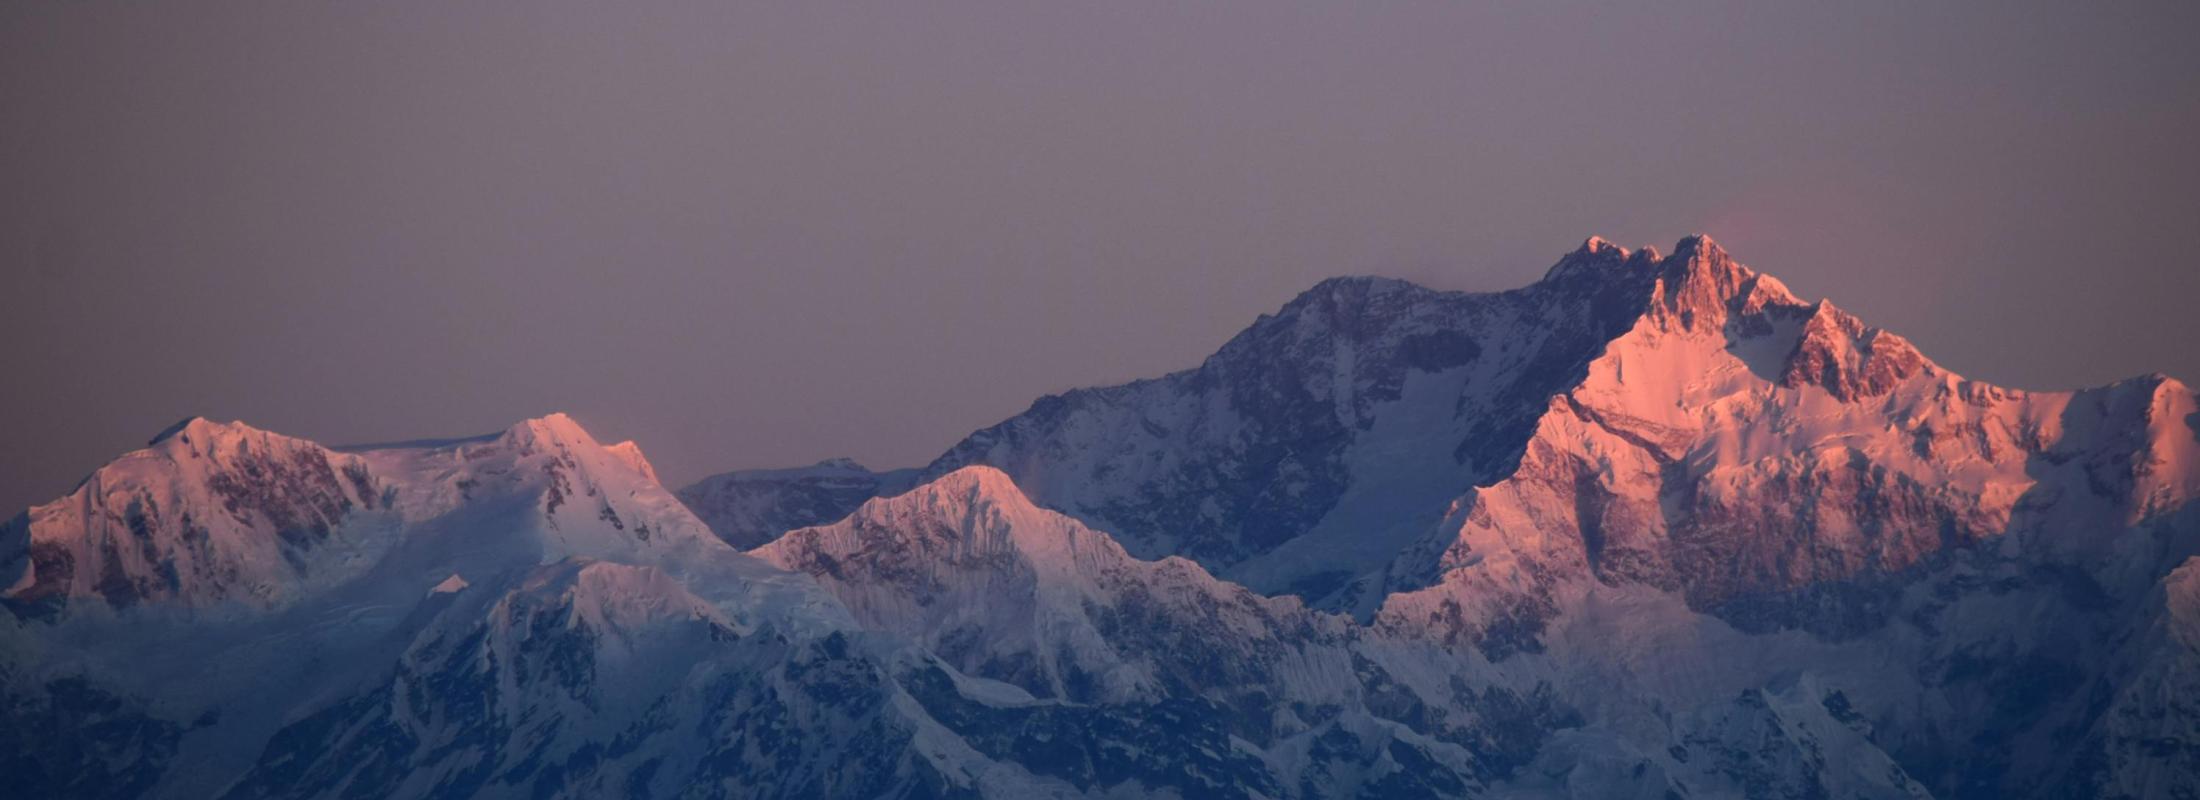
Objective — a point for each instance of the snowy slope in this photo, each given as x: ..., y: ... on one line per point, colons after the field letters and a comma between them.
x: 1316, y: 705
x: 586, y: 679
x: 1750, y: 452
x: 208, y: 670
x: 955, y: 640
x: 1003, y: 589
x: 208, y: 512
x: 213, y: 514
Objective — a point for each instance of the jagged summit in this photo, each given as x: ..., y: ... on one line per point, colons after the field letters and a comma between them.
x: 1850, y: 360
x: 1599, y: 259
x: 1697, y: 245
x: 1698, y: 286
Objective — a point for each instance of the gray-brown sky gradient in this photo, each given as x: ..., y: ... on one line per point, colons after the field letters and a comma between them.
x: 751, y: 234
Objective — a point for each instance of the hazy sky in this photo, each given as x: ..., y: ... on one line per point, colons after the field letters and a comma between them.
x: 759, y: 235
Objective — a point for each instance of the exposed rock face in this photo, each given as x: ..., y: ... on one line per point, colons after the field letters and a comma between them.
x: 1760, y: 457
x: 1837, y: 353
x: 208, y: 512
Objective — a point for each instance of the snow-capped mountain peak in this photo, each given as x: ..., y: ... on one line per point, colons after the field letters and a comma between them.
x: 967, y: 565
x: 549, y: 430
x: 972, y: 515
x: 216, y: 513
x: 207, y: 512
x: 1699, y: 287
x: 1650, y: 527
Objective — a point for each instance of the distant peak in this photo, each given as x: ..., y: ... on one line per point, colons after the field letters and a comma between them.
x: 2154, y: 385
x: 841, y: 463
x: 198, y: 430
x: 181, y: 425
x: 1350, y: 288
x: 1343, y: 304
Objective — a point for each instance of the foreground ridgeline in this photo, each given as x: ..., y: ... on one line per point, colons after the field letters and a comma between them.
x: 1650, y: 527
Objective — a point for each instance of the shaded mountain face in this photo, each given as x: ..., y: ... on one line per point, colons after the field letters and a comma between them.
x: 1682, y: 421
x: 1652, y: 527
x: 1316, y: 444
x: 747, y: 508
x: 588, y: 679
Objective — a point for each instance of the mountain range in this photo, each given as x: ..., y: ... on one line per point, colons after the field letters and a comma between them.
x: 1650, y: 527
